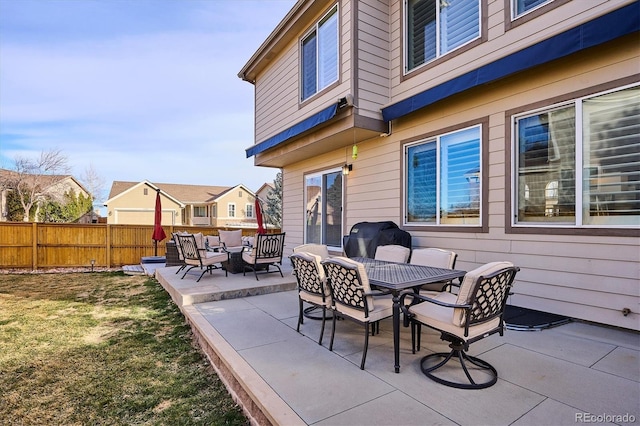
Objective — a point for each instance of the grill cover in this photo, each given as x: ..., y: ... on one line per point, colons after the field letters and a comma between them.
x: 365, y: 237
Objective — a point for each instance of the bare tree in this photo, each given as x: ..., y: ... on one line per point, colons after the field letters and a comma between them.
x: 94, y: 183
x: 27, y: 177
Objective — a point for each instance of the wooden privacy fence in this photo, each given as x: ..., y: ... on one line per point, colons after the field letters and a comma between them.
x: 70, y: 245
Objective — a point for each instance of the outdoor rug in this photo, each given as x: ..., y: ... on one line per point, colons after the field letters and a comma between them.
x: 525, y: 319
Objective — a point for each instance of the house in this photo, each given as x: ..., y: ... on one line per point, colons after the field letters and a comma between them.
x: 193, y: 205
x: 47, y: 188
x: 502, y: 130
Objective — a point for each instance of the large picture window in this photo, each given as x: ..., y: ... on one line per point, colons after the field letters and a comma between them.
x: 320, y: 55
x: 323, y: 208
x: 578, y: 164
x: 436, y: 27
x: 443, y: 179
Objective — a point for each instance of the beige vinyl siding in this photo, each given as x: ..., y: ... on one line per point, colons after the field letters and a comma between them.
x: 274, y: 87
x: 373, y: 58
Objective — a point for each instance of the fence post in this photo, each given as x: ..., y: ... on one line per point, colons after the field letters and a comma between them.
x: 34, y: 246
x: 107, y: 242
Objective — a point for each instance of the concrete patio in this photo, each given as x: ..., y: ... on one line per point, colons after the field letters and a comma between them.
x: 574, y: 373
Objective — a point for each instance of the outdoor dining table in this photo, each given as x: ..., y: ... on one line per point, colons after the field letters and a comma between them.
x: 402, y: 276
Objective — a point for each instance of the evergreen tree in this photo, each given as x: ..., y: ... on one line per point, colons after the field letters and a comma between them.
x: 273, y: 210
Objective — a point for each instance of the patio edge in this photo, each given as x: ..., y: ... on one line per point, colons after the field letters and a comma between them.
x: 258, y: 400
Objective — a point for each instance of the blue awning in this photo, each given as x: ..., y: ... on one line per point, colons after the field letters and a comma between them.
x: 301, y: 127
x: 618, y: 23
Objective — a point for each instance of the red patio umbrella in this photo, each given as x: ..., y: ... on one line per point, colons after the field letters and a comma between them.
x: 158, y: 232
x: 259, y: 216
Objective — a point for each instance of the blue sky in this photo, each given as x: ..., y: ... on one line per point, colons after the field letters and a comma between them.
x: 137, y: 89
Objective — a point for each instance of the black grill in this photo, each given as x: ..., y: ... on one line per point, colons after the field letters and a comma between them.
x: 365, y: 237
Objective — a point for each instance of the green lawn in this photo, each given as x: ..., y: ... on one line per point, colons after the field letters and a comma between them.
x: 102, y: 348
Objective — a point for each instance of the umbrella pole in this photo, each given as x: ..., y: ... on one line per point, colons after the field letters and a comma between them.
x: 155, y: 247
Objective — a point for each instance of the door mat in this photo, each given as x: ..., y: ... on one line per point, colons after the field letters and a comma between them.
x: 524, y: 319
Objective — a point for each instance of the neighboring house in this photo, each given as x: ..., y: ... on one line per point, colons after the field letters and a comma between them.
x: 503, y: 130
x: 51, y: 188
x: 194, y: 205
x: 264, y: 191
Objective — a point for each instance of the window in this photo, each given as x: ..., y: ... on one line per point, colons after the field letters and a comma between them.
x: 249, y: 210
x: 320, y: 55
x: 578, y: 164
x: 199, y: 211
x: 436, y: 27
x: 443, y: 179
x: 323, y: 204
x: 520, y: 7
x: 231, y: 210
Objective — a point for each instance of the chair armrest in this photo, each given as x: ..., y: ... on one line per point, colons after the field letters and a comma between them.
x: 431, y: 300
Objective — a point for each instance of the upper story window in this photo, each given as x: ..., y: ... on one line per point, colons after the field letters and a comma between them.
x: 578, y: 164
x: 443, y: 179
x: 249, y: 210
x: 319, y: 60
x: 231, y: 210
x: 520, y: 7
x: 436, y: 27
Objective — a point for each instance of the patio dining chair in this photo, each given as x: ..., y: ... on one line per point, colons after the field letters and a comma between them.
x: 474, y: 313
x: 393, y: 253
x: 437, y: 258
x: 179, y: 250
x: 267, y: 251
x: 312, y: 286
x: 198, y: 257
x: 353, y: 297
x: 318, y: 249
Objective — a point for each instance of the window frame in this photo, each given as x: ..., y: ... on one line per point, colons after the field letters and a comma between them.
x: 321, y: 174
x: 249, y: 211
x: 196, y: 209
x: 480, y: 37
x: 315, y: 30
x: 512, y: 21
x: 231, y: 209
x: 578, y: 226
x: 483, y: 225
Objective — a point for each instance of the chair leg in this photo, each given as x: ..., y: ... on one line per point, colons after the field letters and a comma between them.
x: 187, y: 271
x: 366, y: 345
x: 324, y: 311
x: 300, y: 319
x: 413, y: 337
x: 333, y: 331
x: 203, y: 272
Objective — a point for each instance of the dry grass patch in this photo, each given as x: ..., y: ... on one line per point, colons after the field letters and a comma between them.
x: 102, y: 348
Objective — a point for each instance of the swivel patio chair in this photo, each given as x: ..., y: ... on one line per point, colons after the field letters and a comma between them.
x: 353, y: 297
x: 312, y: 286
x: 392, y: 253
x: 475, y: 313
x: 201, y: 258
x: 267, y: 251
